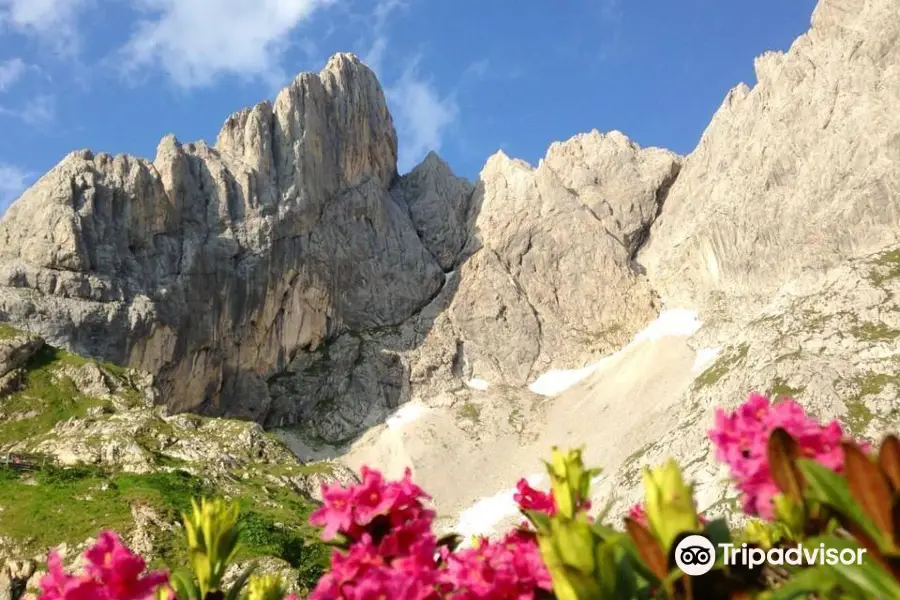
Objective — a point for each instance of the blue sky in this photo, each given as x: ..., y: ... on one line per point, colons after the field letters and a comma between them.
x: 463, y: 77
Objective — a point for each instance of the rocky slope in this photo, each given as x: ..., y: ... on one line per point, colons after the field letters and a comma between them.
x: 85, y: 446
x: 289, y: 276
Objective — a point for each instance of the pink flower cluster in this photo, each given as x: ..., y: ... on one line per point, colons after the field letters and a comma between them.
x: 112, y: 572
x: 392, y: 551
x: 741, y: 439
x: 529, y: 498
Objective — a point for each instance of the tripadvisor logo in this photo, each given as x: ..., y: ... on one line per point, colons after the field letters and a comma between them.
x: 696, y: 555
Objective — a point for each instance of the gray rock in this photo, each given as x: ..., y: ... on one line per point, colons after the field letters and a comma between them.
x: 794, y: 175
x: 17, y: 350
x: 213, y: 267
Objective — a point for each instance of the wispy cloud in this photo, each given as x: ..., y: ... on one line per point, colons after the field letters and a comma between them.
x: 54, y: 21
x: 374, y: 55
x: 610, y: 15
x: 422, y: 116
x: 13, y: 181
x: 10, y: 72
x: 197, y: 41
x: 39, y: 111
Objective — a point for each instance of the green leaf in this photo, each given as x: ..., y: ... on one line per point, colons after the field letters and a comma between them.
x: 867, y: 579
x: 802, y: 584
x: 717, y: 532
x: 184, y: 586
x: 540, y: 521
x: 827, y: 487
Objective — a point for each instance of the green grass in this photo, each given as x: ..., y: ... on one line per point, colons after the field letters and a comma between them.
x: 7, y: 332
x: 70, y: 505
x: 721, y: 367
x: 859, y: 416
x: 780, y: 389
x: 50, y: 398
x: 470, y: 412
x: 874, y: 332
x: 888, y: 267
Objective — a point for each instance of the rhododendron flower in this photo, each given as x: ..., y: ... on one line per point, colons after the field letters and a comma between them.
x: 741, y: 439
x: 511, y: 568
x: 529, y: 498
x: 639, y: 514
x: 112, y: 572
x: 372, y: 504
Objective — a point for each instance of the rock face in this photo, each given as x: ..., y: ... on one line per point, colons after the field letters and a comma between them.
x: 287, y: 274
x: 213, y: 267
x: 794, y: 175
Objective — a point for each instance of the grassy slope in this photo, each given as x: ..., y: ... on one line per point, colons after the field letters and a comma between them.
x: 54, y: 505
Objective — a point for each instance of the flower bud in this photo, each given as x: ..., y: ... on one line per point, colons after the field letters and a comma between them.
x: 670, y: 505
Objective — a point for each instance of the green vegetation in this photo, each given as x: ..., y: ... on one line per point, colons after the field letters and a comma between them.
x: 721, y: 367
x: 53, y: 505
x: 45, y: 397
x: 470, y: 412
x: 874, y: 332
x: 56, y: 505
x: 887, y: 267
x: 859, y: 416
x: 780, y: 389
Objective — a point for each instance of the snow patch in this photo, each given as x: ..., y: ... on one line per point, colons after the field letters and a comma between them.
x: 555, y: 381
x: 405, y: 414
x: 705, y: 357
x: 478, y: 384
x: 675, y: 322
x: 484, y: 515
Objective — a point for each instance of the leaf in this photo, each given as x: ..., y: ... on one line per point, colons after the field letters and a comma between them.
x: 870, y: 489
x: 648, y: 548
x: 868, y: 577
x: 889, y: 461
x: 831, y: 489
x: 184, y: 586
x: 540, y: 521
x: 816, y: 580
x: 717, y: 532
x: 783, y: 452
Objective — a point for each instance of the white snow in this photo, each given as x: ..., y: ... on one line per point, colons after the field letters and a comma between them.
x: 483, y: 516
x: 407, y: 413
x: 705, y: 357
x: 555, y: 381
x: 674, y: 322
x: 478, y: 384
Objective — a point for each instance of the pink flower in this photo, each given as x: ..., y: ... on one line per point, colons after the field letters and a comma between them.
x: 637, y: 513
x: 529, y: 498
x: 337, y: 512
x: 112, y: 572
x: 741, y: 439
x: 511, y: 568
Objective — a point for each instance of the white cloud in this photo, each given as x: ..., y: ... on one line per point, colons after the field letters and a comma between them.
x: 421, y: 116
x: 10, y: 72
x: 55, y: 21
x: 374, y: 56
x: 196, y: 41
x: 13, y: 181
x: 40, y: 110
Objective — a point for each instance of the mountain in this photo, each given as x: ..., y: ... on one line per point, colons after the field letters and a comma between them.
x: 611, y: 296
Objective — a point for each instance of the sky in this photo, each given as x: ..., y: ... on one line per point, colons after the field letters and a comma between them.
x: 464, y: 78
